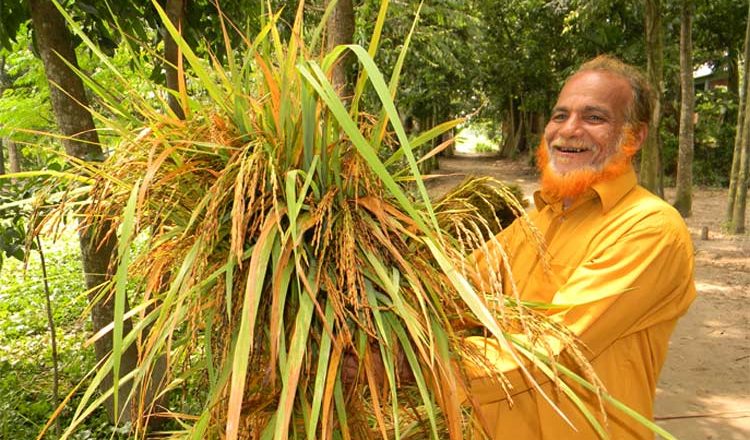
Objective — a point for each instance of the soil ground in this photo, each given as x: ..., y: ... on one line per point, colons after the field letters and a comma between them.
x: 704, y: 389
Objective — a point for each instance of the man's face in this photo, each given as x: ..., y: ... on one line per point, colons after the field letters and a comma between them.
x: 587, y: 122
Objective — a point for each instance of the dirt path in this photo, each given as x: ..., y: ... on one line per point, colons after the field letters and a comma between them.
x: 704, y: 389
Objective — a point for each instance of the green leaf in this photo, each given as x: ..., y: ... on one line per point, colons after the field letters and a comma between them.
x: 127, y: 228
x: 297, y: 350
x: 315, y: 76
x: 219, y: 97
x: 251, y: 300
x: 324, y: 356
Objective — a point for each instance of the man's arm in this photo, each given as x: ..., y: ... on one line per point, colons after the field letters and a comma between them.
x: 644, y: 278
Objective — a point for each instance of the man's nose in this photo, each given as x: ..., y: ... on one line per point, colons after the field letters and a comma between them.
x: 571, y: 127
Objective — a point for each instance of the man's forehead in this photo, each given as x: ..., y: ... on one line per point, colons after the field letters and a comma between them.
x: 595, y: 89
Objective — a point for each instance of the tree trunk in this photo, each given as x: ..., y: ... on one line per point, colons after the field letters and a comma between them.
x: 737, y: 223
x: 739, y: 132
x: 733, y: 72
x: 2, y: 159
x: 514, y: 130
x: 340, y: 28
x: 508, y: 130
x: 14, y: 156
x: 175, y: 10
x: 451, y: 150
x: 3, y: 85
x: 429, y: 164
x: 68, y: 100
x: 684, y: 199
x: 528, y: 122
x: 651, y: 169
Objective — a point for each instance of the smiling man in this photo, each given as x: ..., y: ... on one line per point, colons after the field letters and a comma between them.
x: 618, y: 267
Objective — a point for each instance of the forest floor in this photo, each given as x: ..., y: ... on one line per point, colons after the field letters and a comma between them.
x: 704, y: 388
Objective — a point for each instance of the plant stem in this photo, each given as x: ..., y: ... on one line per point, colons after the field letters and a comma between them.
x: 53, y: 339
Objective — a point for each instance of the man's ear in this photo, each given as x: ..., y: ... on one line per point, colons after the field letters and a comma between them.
x: 640, y: 133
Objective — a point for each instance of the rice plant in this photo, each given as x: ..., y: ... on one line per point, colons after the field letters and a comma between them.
x: 295, y: 282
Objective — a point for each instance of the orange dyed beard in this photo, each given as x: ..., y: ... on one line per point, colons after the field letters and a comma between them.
x: 570, y: 185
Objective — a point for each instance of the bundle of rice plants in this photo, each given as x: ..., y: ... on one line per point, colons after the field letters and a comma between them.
x: 478, y: 208
x: 266, y: 247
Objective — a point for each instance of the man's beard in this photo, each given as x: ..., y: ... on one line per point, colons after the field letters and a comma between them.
x: 572, y: 184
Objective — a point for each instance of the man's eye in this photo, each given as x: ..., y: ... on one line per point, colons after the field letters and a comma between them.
x: 595, y: 118
x: 559, y: 117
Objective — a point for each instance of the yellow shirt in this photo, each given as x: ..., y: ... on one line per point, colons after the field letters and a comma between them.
x: 621, y: 261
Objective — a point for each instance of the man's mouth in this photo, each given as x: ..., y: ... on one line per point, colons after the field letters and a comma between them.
x: 564, y: 149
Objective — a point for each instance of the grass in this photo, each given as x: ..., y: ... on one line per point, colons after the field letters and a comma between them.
x: 25, y: 354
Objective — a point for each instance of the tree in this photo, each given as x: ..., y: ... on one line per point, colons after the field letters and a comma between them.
x: 518, y: 49
x: 531, y: 46
x: 175, y: 10
x: 340, y: 28
x: 69, y: 101
x: 742, y: 148
x: 442, y: 64
x: 718, y: 35
x: 740, y: 143
x: 684, y: 198
x: 3, y: 84
x: 651, y: 169
x: 14, y: 156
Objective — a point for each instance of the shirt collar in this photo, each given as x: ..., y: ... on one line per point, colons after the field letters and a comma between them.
x: 612, y: 191
x: 609, y: 192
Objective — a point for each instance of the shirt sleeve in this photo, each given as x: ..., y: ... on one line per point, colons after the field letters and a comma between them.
x: 645, y: 278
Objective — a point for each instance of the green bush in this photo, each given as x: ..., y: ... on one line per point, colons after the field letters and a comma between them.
x: 26, y: 373
x: 716, y: 111
x: 484, y: 147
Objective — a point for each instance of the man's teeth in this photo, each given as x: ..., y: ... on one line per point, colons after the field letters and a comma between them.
x: 571, y: 149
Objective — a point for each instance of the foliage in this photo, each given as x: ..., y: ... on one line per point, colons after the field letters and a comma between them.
x: 484, y: 147
x: 714, y: 137
x: 25, y: 110
x: 518, y: 61
x: 12, y: 220
x: 464, y: 55
x: 719, y: 31
x: 25, y: 359
x: 22, y: 201
x: 24, y: 99
x: 442, y: 75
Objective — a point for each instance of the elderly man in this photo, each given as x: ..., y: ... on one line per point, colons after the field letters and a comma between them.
x: 620, y: 269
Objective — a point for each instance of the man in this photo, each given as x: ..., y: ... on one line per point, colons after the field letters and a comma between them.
x: 618, y: 267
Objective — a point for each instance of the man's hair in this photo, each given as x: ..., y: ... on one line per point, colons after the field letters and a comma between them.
x: 643, y: 95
